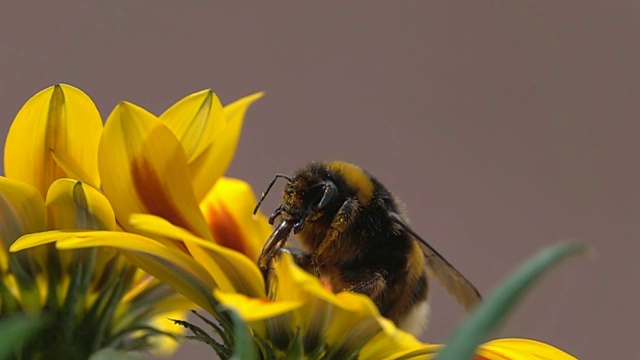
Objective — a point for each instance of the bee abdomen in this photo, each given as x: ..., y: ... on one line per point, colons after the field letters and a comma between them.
x: 411, y: 310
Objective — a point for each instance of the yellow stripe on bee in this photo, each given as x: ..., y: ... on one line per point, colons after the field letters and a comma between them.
x: 355, y: 178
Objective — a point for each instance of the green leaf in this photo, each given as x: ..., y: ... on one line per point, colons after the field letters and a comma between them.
x: 244, y: 346
x: 15, y: 332
x: 68, y: 312
x: 224, y: 330
x: 105, y: 316
x: 295, y: 350
x: 29, y: 293
x: 489, y: 314
x: 9, y: 301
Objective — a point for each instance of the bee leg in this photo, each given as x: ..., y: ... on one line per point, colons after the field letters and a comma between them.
x: 364, y: 281
x: 340, y: 224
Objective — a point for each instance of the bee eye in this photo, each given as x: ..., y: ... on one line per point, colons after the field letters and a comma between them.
x: 313, y: 196
x: 323, y: 193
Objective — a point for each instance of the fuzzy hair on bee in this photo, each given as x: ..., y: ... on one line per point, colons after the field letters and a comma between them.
x: 355, y: 238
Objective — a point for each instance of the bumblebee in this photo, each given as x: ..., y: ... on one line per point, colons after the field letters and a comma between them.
x: 356, y: 239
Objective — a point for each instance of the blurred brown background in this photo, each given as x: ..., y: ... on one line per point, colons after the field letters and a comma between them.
x: 504, y: 126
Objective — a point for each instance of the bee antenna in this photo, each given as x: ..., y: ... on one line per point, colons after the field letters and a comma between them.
x: 264, y: 194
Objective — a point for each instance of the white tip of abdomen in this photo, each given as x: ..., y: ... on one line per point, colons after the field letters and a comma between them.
x: 416, y: 319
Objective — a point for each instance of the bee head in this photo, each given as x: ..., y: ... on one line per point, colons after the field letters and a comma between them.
x: 304, y: 198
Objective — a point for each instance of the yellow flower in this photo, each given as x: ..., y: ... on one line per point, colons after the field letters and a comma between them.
x: 54, y: 138
x: 56, y: 156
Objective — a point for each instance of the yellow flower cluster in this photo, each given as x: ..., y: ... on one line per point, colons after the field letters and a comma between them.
x: 64, y: 171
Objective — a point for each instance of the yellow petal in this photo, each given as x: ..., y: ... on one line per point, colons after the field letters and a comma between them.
x: 291, y: 280
x: 295, y: 283
x: 62, y: 121
x: 495, y: 353
x: 357, y: 315
x: 233, y: 272
x: 144, y: 170
x: 197, y: 121
x: 255, y: 309
x: 521, y: 349
x: 21, y: 212
x: 353, y: 318
x: 180, y: 279
x: 228, y: 209
x: 37, y: 239
x: 74, y: 205
x: 259, y: 313
x: 224, y: 147
x: 385, y: 346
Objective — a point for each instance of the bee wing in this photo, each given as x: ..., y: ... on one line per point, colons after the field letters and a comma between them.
x: 452, y: 280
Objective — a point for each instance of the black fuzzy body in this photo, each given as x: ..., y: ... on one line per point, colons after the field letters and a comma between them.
x: 353, y: 242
